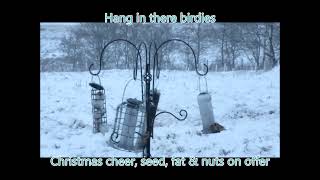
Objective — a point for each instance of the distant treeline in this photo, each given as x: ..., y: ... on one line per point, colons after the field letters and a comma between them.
x: 235, y: 46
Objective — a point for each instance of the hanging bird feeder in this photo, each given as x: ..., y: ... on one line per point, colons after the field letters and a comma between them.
x: 209, y: 125
x: 99, y: 111
x: 129, y: 125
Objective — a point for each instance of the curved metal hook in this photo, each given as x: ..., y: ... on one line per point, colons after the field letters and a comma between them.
x: 194, y: 55
x: 102, y: 53
x: 114, y: 139
x: 149, y: 57
x: 155, y: 67
x: 179, y: 119
x: 163, y: 112
x: 157, y: 63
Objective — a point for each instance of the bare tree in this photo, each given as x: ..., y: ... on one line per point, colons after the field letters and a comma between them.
x: 72, y: 47
x: 270, y: 60
x: 253, y: 41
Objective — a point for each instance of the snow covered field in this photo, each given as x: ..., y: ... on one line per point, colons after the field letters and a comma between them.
x: 246, y: 103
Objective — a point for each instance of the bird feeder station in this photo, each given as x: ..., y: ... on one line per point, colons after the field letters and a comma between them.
x: 133, y: 126
x: 99, y: 110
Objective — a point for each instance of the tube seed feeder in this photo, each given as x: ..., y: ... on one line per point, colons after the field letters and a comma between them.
x: 209, y: 125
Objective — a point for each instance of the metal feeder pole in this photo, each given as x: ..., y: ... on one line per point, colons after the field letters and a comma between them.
x: 147, y: 79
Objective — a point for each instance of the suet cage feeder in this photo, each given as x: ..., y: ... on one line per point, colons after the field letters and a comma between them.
x: 99, y: 110
x: 129, y: 126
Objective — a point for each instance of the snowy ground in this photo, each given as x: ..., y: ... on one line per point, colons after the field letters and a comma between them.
x: 246, y: 103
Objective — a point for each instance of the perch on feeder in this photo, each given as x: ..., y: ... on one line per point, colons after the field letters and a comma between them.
x: 209, y: 125
x: 99, y: 111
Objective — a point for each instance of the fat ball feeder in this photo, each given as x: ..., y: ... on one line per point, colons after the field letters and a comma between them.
x: 99, y: 110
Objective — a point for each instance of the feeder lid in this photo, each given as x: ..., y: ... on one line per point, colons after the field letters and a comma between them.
x: 133, y: 102
x: 96, y: 86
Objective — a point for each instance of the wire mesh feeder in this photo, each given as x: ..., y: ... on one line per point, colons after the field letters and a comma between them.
x: 129, y: 125
x: 99, y: 110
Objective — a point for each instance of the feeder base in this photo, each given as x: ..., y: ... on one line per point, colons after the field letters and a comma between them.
x: 214, y: 128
